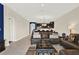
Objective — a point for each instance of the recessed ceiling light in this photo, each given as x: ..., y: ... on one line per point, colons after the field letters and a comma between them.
x: 42, y: 5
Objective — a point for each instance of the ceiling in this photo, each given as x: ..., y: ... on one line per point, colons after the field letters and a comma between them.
x: 42, y: 10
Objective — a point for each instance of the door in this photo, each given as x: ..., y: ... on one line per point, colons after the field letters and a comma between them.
x: 1, y: 24
x: 12, y: 29
x: 2, y: 42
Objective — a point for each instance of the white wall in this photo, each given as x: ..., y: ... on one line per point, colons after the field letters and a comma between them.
x: 20, y: 25
x: 62, y: 23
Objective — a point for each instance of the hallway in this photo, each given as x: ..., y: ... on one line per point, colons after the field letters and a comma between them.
x: 18, y: 48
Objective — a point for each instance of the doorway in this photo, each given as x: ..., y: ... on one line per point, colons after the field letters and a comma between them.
x: 32, y: 27
x: 12, y: 30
